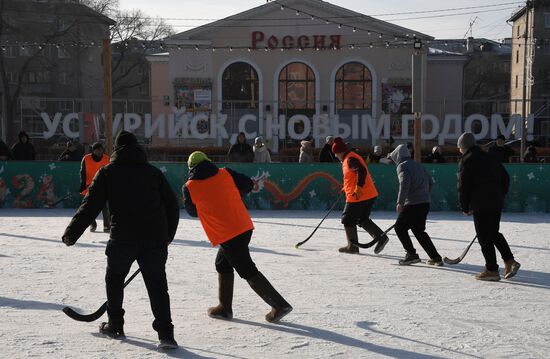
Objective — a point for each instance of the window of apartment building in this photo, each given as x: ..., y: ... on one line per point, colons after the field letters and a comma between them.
x: 12, y: 77
x: 547, y: 20
x: 38, y: 77
x: 25, y: 51
x: 10, y: 51
x: 62, y: 53
x: 518, y: 30
x: 63, y: 78
x: 517, y: 56
x: 516, y: 81
x: 353, y: 87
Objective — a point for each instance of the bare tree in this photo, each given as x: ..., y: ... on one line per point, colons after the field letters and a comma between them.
x: 133, y: 37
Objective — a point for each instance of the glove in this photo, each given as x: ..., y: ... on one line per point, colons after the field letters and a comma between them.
x: 68, y: 241
x: 357, y: 192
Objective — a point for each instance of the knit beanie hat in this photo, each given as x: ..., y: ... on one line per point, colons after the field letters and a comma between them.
x: 195, y: 158
x: 466, y: 140
x: 125, y: 138
x: 339, y: 146
x: 97, y: 145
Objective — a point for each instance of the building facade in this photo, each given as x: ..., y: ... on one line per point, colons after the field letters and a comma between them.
x: 530, y: 69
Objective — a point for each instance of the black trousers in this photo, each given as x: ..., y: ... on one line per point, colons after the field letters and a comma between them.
x: 235, y: 254
x: 151, y: 257
x: 414, y: 217
x: 358, y: 213
x: 487, y: 230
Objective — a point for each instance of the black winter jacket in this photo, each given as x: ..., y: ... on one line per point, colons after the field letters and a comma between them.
x: 326, y: 154
x: 143, y: 206
x: 23, y: 151
x: 482, y: 182
x: 207, y: 169
x: 241, y: 152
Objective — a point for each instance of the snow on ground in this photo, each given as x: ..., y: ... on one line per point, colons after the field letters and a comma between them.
x: 345, y: 306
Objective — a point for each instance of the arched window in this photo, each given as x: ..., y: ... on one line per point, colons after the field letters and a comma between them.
x: 240, y: 86
x: 297, y: 87
x: 353, y: 87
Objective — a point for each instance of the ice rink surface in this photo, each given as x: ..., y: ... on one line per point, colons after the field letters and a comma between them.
x: 345, y: 306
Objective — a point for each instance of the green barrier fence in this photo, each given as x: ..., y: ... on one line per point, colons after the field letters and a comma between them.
x: 276, y: 185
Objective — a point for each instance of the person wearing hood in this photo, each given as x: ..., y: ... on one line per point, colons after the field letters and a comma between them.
x: 326, y: 154
x: 261, y: 154
x: 413, y: 205
x: 482, y: 185
x: 144, y: 220
x: 71, y: 153
x: 23, y: 150
x: 360, y: 195
x: 306, y: 152
x: 214, y: 195
x: 90, y: 165
x: 241, y: 151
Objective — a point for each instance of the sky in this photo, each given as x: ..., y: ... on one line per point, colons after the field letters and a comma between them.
x: 452, y: 23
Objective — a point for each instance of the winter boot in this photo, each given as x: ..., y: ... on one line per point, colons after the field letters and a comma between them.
x: 93, y: 226
x: 382, y: 241
x: 166, y: 339
x: 435, y: 262
x: 488, y: 275
x: 351, y: 236
x: 279, y: 306
x: 225, y: 296
x: 511, y: 267
x: 410, y: 258
x: 112, y: 331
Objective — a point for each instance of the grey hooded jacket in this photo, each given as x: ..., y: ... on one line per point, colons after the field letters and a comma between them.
x: 415, y: 183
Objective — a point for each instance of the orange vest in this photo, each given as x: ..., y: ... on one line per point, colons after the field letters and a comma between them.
x: 350, y: 180
x: 91, y: 169
x: 220, y: 208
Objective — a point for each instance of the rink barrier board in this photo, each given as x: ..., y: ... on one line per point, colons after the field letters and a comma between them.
x: 276, y: 185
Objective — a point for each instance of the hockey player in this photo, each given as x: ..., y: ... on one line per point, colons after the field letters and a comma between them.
x: 413, y: 205
x: 214, y: 195
x: 145, y: 215
x: 91, y: 163
x: 482, y: 184
x: 360, y: 196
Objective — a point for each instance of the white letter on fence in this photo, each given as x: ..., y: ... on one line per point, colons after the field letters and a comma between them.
x: 405, y: 120
x: 446, y: 133
x: 321, y: 129
x: 67, y: 125
x: 132, y: 121
x: 429, y: 118
x: 159, y: 125
x: 484, y: 125
x: 297, y: 119
x: 242, y: 125
x: 336, y: 126
x: 50, y: 125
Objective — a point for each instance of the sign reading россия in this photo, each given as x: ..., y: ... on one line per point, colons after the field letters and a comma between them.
x: 179, y: 124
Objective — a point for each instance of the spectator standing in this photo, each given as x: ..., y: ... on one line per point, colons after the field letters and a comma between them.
x: 241, y: 151
x: 23, y: 150
x: 436, y: 156
x: 306, y: 152
x: 326, y: 154
x: 500, y: 151
x: 5, y: 153
x: 72, y: 153
x: 261, y: 153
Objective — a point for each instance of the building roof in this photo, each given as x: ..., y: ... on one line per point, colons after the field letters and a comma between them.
x: 315, y: 7
x: 459, y: 45
x: 517, y: 14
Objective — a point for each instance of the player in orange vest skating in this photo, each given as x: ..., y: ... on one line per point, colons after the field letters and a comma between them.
x: 360, y: 196
x: 91, y: 163
x: 214, y: 195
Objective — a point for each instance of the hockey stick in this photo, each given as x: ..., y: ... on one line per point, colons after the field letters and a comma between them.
x: 459, y: 259
x: 375, y: 240
x: 57, y: 202
x: 322, y: 220
x: 98, y: 313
